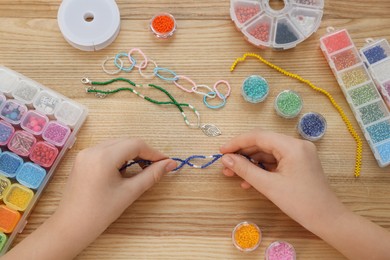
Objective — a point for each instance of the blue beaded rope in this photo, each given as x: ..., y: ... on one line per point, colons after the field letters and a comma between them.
x: 187, y: 161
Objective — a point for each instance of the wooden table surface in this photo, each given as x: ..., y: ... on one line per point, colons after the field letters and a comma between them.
x: 190, y: 215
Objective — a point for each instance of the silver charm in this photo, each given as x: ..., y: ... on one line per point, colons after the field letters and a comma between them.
x: 101, y: 95
x: 210, y: 130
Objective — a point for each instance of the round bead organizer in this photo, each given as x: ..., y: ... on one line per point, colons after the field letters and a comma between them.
x: 37, y: 127
x: 280, y: 29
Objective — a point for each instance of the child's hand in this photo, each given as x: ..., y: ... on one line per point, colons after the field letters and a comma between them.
x: 294, y: 179
x: 96, y: 189
x: 96, y: 195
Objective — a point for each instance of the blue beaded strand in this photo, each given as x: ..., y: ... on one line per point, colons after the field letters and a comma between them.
x: 187, y: 161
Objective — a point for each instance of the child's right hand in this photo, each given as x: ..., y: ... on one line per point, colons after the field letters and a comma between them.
x: 294, y: 179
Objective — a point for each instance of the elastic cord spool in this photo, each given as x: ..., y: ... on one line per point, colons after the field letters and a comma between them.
x: 89, y: 25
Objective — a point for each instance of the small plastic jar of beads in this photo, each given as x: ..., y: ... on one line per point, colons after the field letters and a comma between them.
x: 6, y: 132
x: 34, y: 122
x: 280, y: 250
x: 18, y: 197
x: 312, y: 126
x: 255, y: 89
x: 9, y: 218
x: 288, y: 104
x: 246, y: 236
x: 4, y: 184
x: 163, y: 25
x: 13, y: 111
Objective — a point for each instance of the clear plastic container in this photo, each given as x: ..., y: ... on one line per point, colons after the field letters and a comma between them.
x: 312, y: 126
x: 9, y: 218
x: 69, y: 113
x: 9, y: 164
x: 6, y: 132
x: 8, y: 81
x: 21, y: 143
x: 30, y: 173
x: 376, y: 56
x: 44, y: 154
x: 47, y: 102
x: 25, y: 91
x: 34, y: 122
x: 360, y: 86
x: 288, y: 104
x: 255, y: 89
x: 4, y: 185
x: 280, y: 29
x: 246, y: 236
x: 163, y: 25
x: 18, y: 197
x: 56, y: 133
x: 280, y: 250
x: 13, y: 111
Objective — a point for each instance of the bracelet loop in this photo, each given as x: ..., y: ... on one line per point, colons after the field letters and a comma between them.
x: 147, y: 76
x: 143, y: 64
x: 157, y: 73
x: 115, y: 71
x: 122, y: 54
x: 187, y: 79
x: 217, y: 106
x: 219, y: 82
x: 195, y: 90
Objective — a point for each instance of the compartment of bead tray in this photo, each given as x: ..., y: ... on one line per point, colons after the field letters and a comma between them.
x: 376, y: 55
x: 37, y: 127
x: 280, y: 29
x: 360, y: 91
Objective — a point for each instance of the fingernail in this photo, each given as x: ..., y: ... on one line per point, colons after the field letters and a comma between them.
x: 171, y: 166
x: 228, y: 161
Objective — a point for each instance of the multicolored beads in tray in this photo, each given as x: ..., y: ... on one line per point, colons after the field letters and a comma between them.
x: 282, y: 29
x: 360, y: 90
x: 37, y: 126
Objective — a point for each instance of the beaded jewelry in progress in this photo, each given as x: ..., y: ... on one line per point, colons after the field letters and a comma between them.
x: 182, y: 162
x: 359, y: 144
x: 208, y: 129
x: 170, y: 76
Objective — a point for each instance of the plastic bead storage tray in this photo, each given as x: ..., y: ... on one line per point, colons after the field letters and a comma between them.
x: 280, y: 29
x: 376, y: 55
x: 37, y: 127
x: 360, y: 91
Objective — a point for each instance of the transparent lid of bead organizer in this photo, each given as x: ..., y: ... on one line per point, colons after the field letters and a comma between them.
x: 359, y: 78
x: 279, y: 29
x: 28, y: 105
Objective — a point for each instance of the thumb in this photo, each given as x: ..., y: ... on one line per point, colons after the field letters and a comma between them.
x: 244, y: 168
x: 149, y: 176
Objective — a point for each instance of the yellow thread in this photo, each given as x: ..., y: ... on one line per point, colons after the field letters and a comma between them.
x: 359, y: 144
